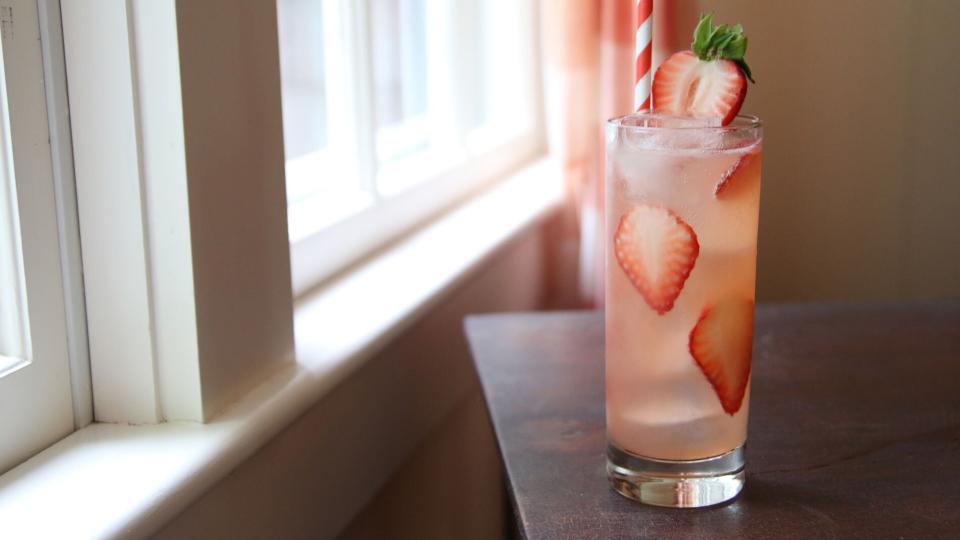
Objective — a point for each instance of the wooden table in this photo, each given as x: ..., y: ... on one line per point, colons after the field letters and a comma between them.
x: 854, y: 426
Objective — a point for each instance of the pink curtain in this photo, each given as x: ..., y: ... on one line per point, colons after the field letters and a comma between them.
x: 588, y: 55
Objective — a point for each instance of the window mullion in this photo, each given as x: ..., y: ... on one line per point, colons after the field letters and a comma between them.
x: 360, y: 59
x: 467, y: 67
x: 338, y: 85
x: 444, y: 116
x: 61, y: 152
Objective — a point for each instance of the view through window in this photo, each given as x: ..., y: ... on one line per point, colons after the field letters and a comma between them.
x: 381, y: 97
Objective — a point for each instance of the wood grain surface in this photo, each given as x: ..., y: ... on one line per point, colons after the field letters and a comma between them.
x: 854, y: 426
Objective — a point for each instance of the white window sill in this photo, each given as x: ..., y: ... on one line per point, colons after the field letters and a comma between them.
x: 110, y: 480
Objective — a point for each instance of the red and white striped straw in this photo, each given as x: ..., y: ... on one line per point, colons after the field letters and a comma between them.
x: 641, y: 89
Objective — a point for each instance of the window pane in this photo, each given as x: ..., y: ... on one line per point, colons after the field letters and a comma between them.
x: 502, y: 76
x: 303, y: 76
x: 13, y: 337
x: 474, y: 45
x: 398, y: 37
x: 303, y: 87
x: 322, y: 183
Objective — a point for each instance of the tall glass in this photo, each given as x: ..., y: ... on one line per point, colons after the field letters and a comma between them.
x: 682, y: 201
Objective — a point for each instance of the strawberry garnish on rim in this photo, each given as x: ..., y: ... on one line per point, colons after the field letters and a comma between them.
x: 709, y: 81
x: 657, y: 250
x: 736, y: 178
x: 721, y: 343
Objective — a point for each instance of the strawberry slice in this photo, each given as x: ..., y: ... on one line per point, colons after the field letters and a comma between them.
x: 709, y: 81
x: 736, y: 179
x: 721, y: 343
x: 657, y: 251
x: 684, y: 85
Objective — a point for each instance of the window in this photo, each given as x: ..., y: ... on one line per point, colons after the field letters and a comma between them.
x: 36, y: 397
x: 14, y: 342
x: 392, y: 113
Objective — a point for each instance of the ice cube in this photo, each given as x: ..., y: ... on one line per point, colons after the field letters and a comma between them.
x: 666, y: 132
x: 656, y: 120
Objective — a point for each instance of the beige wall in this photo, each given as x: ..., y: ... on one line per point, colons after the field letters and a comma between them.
x: 452, y: 487
x: 861, y: 178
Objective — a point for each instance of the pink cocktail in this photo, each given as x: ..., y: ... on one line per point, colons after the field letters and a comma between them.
x: 682, y: 210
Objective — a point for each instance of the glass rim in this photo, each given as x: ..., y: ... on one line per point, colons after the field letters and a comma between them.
x: 742, y: 122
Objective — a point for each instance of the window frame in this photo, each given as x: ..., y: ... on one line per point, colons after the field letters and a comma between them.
x: 50, y: 389
x: 322, y: 247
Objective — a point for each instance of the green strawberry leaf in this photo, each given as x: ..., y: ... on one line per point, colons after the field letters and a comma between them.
x: 722, y: 42
x: 736, y: 48
x: 702, y: 34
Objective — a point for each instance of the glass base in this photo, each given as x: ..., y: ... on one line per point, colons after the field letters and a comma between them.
x: 676, y: 484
